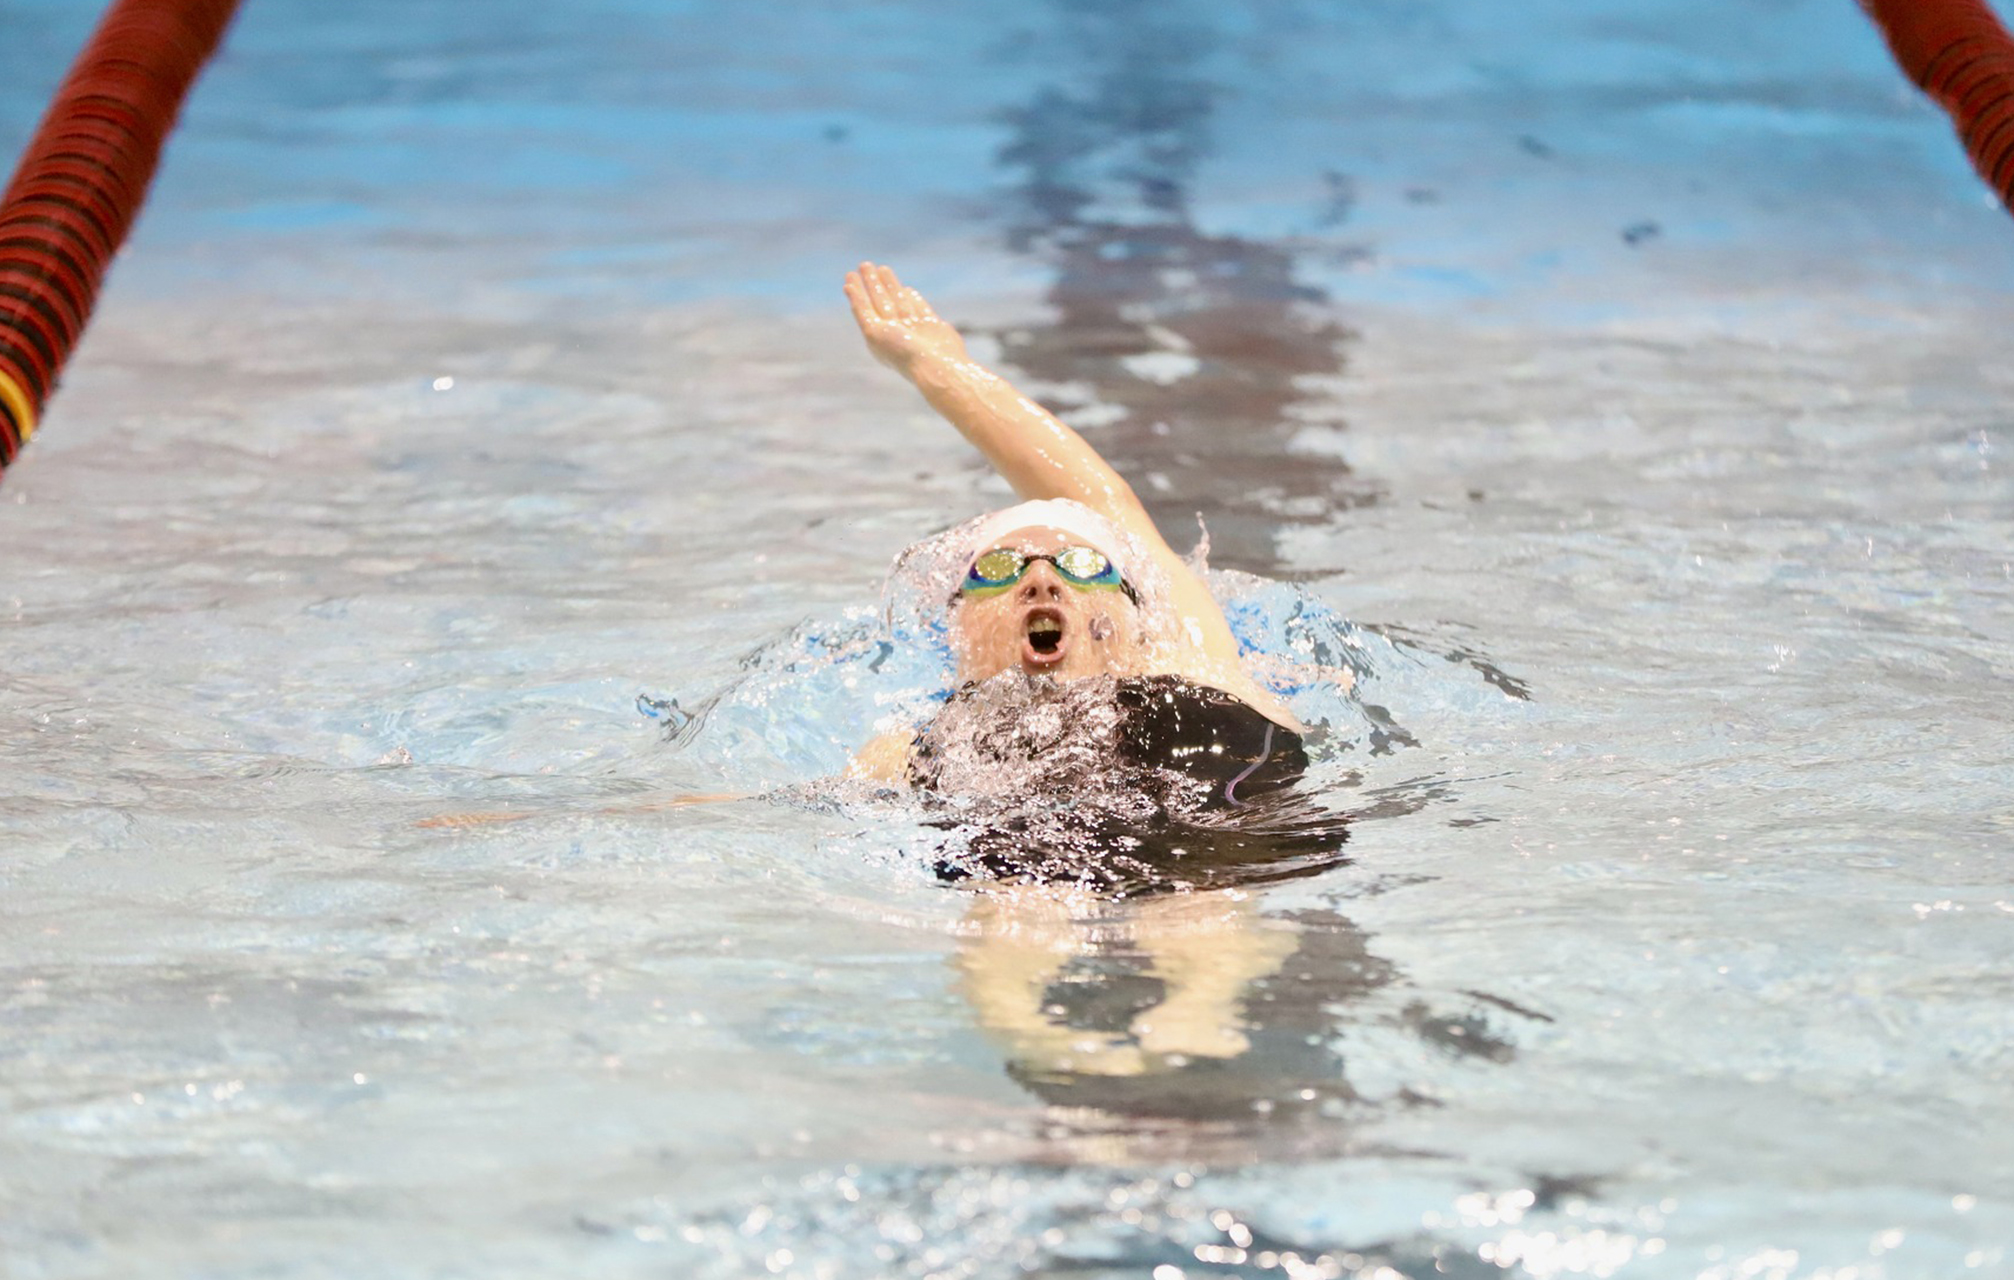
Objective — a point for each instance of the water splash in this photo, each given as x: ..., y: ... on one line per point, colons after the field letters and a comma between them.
x: 806, y: 701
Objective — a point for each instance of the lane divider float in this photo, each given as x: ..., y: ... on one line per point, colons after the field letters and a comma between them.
x: 1958, y: 52
x: 80, y: 183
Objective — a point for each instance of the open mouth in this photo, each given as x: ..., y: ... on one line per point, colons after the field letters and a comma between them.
x: 1043, y: 640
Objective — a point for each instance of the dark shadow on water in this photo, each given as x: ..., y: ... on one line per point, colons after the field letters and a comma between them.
x: 1285, y: 836
x: 1183, y: 354
x: 1459, y: 654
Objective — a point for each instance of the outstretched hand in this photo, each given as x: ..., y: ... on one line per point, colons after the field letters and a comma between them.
x: 900, y: 328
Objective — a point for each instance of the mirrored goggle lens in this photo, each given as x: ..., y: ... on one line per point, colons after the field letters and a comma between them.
x: 998, y: 567
x: 1085, y: 564
x: 1002, y: 567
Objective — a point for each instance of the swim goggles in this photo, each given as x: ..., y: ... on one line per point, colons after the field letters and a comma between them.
x: 1085, y: 568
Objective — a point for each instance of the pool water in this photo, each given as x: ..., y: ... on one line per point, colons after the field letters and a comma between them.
x: 476, y: 403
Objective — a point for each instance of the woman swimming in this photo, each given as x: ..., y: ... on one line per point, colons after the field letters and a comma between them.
x: 1084, y: 642
x: 1103, y: 731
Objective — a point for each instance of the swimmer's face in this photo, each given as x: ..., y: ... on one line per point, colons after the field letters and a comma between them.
x: 1044, y: 624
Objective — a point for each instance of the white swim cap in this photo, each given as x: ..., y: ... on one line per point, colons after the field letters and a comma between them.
x: 925, y: 577
x: 1060, y: 514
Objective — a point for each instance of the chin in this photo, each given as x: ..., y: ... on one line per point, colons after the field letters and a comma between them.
x: 1076, y: 666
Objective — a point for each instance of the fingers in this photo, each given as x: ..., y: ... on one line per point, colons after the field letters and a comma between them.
x: 907, y: 302
x: 856, y: 295
x: 865, y: 291
x: 876, y: 291
x: 889, y: 284
x: 884, y: 288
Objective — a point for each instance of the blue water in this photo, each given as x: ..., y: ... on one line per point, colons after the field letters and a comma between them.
x: 1625, y: 381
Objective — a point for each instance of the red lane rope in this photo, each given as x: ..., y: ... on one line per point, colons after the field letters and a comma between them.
x: 1958, y: 52
x: 80, y: 184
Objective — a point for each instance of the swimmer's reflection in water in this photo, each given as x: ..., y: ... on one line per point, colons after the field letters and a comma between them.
x: 1104, y: 731
x: 1196, y: 1026
x: 1130, y: 1008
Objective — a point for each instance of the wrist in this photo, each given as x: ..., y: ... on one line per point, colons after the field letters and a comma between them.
x: 945, y: 371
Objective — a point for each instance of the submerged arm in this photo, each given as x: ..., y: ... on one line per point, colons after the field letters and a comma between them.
x: 884, y: 760
x: 491, y: 817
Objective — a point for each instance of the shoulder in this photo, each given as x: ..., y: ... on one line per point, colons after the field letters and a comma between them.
x: 884, y: 760
x: 1229, y: 690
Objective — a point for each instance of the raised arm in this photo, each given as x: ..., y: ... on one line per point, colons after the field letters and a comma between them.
x: 1038, y: 454
x: 1035, y: 452
x: 1041, y: 457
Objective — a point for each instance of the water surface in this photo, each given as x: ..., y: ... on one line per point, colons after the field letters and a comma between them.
x: 1629, y: 376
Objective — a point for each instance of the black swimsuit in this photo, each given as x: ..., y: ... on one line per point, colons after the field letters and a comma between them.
x: 1127, y: 783
x: 1210, y: 736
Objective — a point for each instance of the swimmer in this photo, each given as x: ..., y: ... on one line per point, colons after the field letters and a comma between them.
x: 1075, y: 584
x: 1096, y: 670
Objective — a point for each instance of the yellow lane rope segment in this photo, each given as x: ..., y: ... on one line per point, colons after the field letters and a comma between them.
x: 18, y: 404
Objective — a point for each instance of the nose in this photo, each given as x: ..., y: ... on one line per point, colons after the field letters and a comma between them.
x: 1040, y: 582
